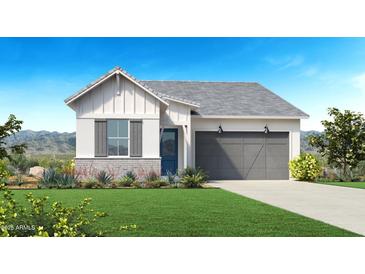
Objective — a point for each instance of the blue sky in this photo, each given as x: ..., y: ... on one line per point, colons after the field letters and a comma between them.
x: 37, y: 74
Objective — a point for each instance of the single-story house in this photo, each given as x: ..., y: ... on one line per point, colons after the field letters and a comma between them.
x: 232, y: 130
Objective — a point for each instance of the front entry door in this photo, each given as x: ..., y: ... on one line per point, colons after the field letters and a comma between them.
x: 168, y: 151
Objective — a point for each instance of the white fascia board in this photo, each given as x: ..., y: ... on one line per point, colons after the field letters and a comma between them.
x: 182, y: 102
x: 107, y: 77
x: 247, y: 117
x: 142, y: 87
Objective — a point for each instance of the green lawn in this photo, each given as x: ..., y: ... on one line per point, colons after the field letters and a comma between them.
x: 190, y: 212
x: 345, y: 184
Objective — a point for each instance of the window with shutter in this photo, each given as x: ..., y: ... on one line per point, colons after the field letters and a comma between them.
x: 118, y: 137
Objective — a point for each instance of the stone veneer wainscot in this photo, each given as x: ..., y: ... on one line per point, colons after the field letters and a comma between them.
x: 117, y: 167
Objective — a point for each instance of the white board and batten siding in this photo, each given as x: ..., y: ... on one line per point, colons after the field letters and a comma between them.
x: 176, y: 114
x: 103, y: 102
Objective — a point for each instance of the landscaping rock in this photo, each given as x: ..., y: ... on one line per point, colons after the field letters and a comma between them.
x: 36, y: 171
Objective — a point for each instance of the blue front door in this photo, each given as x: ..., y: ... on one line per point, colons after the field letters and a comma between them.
x: 168, y: 151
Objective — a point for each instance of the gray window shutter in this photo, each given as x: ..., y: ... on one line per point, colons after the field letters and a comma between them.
x: 100, y: 139
x: 136, y: 138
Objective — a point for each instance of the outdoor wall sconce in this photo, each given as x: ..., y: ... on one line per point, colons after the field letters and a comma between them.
x: 220, y: 129
x: 266, y: 129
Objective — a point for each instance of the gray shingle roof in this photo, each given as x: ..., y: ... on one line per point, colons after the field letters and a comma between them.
x: 229, y: 98
x: 101, y: 78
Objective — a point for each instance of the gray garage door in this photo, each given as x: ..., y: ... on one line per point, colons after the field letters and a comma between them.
x: 243, y: 155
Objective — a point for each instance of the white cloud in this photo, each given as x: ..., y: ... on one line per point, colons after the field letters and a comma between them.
x: 309, y: 72
x: 285, y: 62
x: 293, y: 62
x: 359, y: 82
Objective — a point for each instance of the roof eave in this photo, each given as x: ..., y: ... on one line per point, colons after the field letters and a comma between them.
x: 105, y: 77
x: 249, y: 117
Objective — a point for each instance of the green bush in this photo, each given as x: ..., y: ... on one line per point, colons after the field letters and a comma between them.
x: 305, y: 167
x: 193, y: 178
x: 21, y: 163
x: 157, y: 183
x: 53, y: 179
x: 4, y: 171
x: 104, y: 178
x: 91, y: 183
x: 128, y: 179
x: 151, y: 176
x: 44, y: 219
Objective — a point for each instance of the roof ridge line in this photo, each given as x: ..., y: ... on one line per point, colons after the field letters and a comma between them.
x: 199, y: 81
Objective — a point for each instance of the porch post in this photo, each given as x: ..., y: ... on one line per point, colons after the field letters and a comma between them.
x: 187, y: 145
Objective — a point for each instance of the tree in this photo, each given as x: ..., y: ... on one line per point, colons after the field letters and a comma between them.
x: 343, y: 140
x: 11, y: 127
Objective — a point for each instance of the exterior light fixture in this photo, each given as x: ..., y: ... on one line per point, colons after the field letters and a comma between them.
x: 220, y: 129
x: 118, y: 85
x: 266, y: 129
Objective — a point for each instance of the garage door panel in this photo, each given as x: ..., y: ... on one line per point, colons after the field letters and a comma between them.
x: 229, y: 174
x: 230, y: 162
x: 254, y: 174
x: 206, y: 138
x: 208, y: 163
x: 230, y: 149
x: 243, y: 155
x: 277, y: 138
x: 277, y: 151
x: 253, y: 137
x: 230, y: 138
x: 254, y: 156
x: 209, y: 149
x: 277, y: 174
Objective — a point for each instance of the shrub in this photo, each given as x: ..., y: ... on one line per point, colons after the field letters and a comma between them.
x: 4, y: 172
x: 172, y: 178
x: 193, y: 178
x: 49, y: 179
x: 91, y: 183
x: 44, y: 219
x: 151, y: 176
x: 69, y: 167
x: 128, y: 179
x: 67, y: 180
x: 21, y: 163
x: 305, y: 167
x: 104, y: 178
x: 136, y: 184
x: 154, y: 184
x: 52, y: 179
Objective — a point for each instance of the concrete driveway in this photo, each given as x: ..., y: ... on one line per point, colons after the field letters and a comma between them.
x: 340, y: 206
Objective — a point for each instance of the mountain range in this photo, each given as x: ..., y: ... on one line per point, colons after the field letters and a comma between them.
x: 46, y: 142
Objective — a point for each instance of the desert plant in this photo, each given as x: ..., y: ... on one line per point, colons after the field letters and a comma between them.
x: 157, y: 183
x: 66, y: 180
x: 151, y: 176
x: 136, y: 184
x: 172, y: 178
x: 305, y: 167
x: 193, y: 178
x: 49, y: 179
x: 44, y: 219
x: 127, y: 179
x: 104, y: 178
x: 91, y: 183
